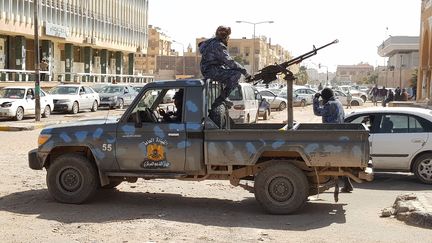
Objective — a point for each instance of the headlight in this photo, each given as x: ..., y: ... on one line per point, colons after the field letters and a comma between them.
x: 113, y: 98
x: 43, y: 138
x: 6, y: 104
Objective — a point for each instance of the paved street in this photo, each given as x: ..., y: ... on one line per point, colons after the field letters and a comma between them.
x: 171, y: 210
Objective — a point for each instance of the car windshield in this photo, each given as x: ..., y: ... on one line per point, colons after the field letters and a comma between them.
x: 12, y: 93
x: 112, y: 89
x: 64, y: 90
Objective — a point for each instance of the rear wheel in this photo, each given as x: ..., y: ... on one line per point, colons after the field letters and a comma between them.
x: 72, y: 179
x: 19, y: 115
x: 282, y: 106
x: 281, y: 188
x: 120, y: 104
x: 355, y: 103
x: 423, y: 168
x: 364, y: 98
x: 47, y: 112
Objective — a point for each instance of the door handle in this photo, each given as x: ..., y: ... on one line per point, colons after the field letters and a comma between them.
x: 417, y: 140
x: 173, y: 134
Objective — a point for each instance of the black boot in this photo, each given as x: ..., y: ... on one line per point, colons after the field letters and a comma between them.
x: 347, y: 188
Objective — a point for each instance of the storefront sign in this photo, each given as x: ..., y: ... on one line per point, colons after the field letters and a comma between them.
x: 56, y: 30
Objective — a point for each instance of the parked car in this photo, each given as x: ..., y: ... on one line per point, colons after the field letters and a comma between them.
x: 245, y: 108
x: 17, y: 102
x: 275, y: 101
x: 264, y: 109
x: 354, y: 92
x: 400, y: 138
x: 304, y: 94
x: 297, y: 101
x: 74, y: 98
x: 343, y: 98
x: 99, y: 86
x: 117, y: 95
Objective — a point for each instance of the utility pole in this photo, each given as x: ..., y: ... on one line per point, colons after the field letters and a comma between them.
x: 36, y: 61
x: 400, y: 72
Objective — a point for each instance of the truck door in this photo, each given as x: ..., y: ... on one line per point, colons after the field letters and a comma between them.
x: 156, y: 145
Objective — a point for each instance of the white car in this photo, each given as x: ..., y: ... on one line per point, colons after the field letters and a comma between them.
x: 245, y: 108
x: 343, y: 98
x: 275, y: 101
x: 354, y: 92
x: 400, y: 139
x: 304, y: 94
x: 74, y: 98
x: 17, y: 102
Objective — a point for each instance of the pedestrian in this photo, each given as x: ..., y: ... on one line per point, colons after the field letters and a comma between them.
x: 397, y: 96
x: 320, y: 87
x: 414, y: 91
x: 218, y: 65
x: 389, y: 98
x: 332, y: 112
x: 349, y: 99
x: 404, y: 95
x: 44, y: 68
x: 375, y: 95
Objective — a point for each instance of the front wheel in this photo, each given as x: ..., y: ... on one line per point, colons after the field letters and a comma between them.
x: 423, y: 168
x: 282, y: 106
x: 72, y: 179
x: 19, y: 115
x: 120, y: 104
x: 75, y: 108
x: 281, y: 188
x: 47, y: 112
x: 94, y: 106
x: 355, y: 103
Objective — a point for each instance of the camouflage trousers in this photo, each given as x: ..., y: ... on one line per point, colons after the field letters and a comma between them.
x: 228, y: 77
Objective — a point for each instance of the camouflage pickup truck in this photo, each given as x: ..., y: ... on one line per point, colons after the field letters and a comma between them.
x: 285, y: 166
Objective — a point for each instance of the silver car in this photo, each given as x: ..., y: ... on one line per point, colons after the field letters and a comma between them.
x: 117, y: 95
x: 74, y: 98
x: 275, y: 101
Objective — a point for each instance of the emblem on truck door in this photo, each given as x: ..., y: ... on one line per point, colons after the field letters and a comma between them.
x: 155, y: 154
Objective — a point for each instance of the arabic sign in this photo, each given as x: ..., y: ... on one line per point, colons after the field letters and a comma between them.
x: 56, y: 30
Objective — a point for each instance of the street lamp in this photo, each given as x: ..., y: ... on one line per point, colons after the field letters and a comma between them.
x: 254, y: 25
x: 183, y: 55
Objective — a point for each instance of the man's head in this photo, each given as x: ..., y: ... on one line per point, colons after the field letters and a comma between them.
x: 178, y: 98
x: 223, y: 33
x: 327, y: 94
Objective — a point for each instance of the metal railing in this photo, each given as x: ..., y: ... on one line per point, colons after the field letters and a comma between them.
x: 12, y: 75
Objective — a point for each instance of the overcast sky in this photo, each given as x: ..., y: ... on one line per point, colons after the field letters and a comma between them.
x: 360, y: 25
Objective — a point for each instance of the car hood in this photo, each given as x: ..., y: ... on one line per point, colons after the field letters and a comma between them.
x: 3, y: 100
x: 63, y: 97
x: 108, y: 94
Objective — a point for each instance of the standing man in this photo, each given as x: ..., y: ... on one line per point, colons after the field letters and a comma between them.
x: 375, y: 95
x: 349, y: 99
x: 218, y: 65
x: 332, y: 112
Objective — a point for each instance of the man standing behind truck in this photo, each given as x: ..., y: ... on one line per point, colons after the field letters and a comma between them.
x: 332, y: 112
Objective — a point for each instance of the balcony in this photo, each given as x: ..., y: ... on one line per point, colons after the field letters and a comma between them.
x: 399, y: 44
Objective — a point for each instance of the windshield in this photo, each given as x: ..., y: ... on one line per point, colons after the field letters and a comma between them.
x: 112, y: 89
x: 64, y: 90
x: 12, y: 93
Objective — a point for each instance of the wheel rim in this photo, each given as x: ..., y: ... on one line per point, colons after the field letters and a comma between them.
x: 121, y: 104
x: 94, y: 105
x: 75, y: 108
x: 20, y: 113
x: 282, y: 106
x: 47, y: 111
x: 424, y: 169
x: 70, y: 180
x: 280, y: 189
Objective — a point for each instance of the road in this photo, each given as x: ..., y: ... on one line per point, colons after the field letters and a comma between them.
x: 171, y: 210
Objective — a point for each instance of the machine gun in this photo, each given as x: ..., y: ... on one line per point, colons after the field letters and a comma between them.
x: 269, y: 73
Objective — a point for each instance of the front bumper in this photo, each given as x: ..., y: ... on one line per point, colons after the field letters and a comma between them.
x: 62, y: 107
x: 110, y: 103
x: 6, y: 112
x: 34, y: 161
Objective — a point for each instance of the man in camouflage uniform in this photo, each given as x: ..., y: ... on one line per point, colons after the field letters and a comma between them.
x: 218, y: 65
x: 332, y: 112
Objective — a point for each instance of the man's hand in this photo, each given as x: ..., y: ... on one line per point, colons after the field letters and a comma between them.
x: 161, y: 112
x: 248, y: 77
x: 317, y: 95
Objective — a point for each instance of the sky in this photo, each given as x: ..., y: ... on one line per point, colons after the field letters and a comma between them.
x: 359, y: 25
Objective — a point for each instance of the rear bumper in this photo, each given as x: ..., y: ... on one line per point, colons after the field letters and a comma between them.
x: 34, y: 161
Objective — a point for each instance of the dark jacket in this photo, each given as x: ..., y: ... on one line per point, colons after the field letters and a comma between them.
x: 215, y: 56
x: 332, y: 111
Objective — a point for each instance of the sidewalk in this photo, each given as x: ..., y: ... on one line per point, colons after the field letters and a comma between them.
x: 14, y: 126
x: 413, y: 208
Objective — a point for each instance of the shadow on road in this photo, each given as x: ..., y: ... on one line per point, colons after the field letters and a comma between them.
x: 394, y: 181
x: 113, y: 205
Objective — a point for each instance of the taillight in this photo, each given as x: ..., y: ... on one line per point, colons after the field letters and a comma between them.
x: 239, y: 107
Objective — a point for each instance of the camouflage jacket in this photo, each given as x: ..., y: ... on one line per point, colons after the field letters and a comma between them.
x: 331, y: 112
x: 215, y: 56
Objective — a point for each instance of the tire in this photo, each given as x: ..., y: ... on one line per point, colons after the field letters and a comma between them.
x: 113, y: 184
x: 355, y: 103
x: 19, y: 115
x: 75, y: 108
x: 422, y: 168
x: 72, y: 179
x: 364, y: 98
x: 94, y: 107
x: 266, y: 115
x: 282, y: 106
x: 218, y: 115
x: 303, y: 103
x: 268, y: 185
x: 47, y: 112
x: 121, y: 104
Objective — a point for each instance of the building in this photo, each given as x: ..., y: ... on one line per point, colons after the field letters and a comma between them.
x: 88, y: 40
x: 353, y: 74
x: 402, y: 53
x: 424, y: 87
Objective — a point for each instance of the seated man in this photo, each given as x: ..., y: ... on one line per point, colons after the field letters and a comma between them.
x: 174, y: 116
x: 29, y: 94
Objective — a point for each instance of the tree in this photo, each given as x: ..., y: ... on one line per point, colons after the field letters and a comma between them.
x: 372, y: 79
x: 302, y: 76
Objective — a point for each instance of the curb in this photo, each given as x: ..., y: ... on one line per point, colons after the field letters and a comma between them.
x: 24, y: 127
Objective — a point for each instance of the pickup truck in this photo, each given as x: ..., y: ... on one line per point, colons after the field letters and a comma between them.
x: 285, y: 166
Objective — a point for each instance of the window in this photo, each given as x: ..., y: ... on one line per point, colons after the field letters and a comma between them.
x: 415, y: 126
x: 250, y: 95
x: 266, y: 93
x: 88, y: 90
x: 236, y: 94
x: 367, y: 120
x: 393, y: 124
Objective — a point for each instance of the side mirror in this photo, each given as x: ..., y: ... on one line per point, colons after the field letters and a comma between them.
x: 138, y: 121
x: 126, y: 92
x: 29, y: 97
x: 82, y: 92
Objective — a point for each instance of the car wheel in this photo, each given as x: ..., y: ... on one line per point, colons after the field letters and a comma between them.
x: 75, y: 108
x: 47, y: 112
x: 19, y: 115
x: 71, y: 178
x: 281, y: 188
x: 422, y: 168
x: 364, y: 98
x: 266, y: 114
x: 282, y: 106
x: 303, y: 103
x: 355, y: 103
x: 120, y: 104
x: 94, y: 106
